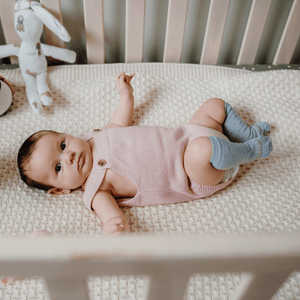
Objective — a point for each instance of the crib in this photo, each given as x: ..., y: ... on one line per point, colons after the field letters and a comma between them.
x: 241, y: 243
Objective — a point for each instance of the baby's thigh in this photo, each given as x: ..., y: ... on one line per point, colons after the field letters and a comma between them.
x: 210, y: 114
x: 197, y: 162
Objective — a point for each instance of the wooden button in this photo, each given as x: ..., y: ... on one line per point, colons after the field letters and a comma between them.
x: 102, y: 162
x: 97, y: 129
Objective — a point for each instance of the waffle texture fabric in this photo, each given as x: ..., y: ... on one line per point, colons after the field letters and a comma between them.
x: 262, y: 199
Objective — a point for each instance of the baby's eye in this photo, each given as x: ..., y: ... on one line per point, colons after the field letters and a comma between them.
x: 63, y: 146
x: 58, y: 168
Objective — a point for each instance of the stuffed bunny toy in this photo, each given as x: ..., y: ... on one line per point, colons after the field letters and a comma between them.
x: 30, y: 17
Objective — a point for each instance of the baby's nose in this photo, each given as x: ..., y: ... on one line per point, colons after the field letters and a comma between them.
x: 69, y: 157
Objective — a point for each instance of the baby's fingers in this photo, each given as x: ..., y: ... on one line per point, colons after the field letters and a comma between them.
x: 129, y: 77
x: 120, y: 74
x: 116, y: 229
x: 120, y: 77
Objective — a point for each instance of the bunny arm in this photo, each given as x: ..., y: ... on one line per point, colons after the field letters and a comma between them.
x: 59, y: 53
x: 9, y: 50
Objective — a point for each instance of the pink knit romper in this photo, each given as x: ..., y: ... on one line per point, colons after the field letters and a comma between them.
x: 152, y: 159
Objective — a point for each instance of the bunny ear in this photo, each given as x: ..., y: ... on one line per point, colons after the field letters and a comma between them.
x: 51, y: 22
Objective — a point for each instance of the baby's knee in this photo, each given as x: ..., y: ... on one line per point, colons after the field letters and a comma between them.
x: 215, y: 102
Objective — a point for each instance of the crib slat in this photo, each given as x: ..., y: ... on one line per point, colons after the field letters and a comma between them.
x: 135, y: 19
x: 290, y: 36
x: 256, y: 23
x: 260, y: 287
x: 7, y: 19
x: 217, y: 16
x: 177, y: 11
x: 166, y: 286
x: 94, y: 28
x: 65, y: 262
x: 67, y: 288
x: 53, y: 6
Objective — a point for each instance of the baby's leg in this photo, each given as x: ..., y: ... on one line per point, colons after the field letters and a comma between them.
x: 226, y: 155
x: 197, y: 162
x: 219, y: 115
x: 206, y: 158
x: 210, y: 114
x: 237, y: 131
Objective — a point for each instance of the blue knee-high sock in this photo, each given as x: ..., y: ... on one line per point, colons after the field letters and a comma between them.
x: 226, y: 154
x: 237, y: 131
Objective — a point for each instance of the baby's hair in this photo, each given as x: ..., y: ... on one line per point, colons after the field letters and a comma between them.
x: 24, y: 154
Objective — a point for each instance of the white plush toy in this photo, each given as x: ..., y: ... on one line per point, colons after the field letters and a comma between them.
x: 30, y: 17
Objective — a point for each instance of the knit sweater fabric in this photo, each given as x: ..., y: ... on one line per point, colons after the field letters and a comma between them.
x: 151, y: 157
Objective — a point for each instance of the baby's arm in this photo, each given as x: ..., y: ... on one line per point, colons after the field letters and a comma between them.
x: 110, y: 214
x: 123, y: 115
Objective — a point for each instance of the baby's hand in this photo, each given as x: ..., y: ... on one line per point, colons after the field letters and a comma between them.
x: 116, y: 225
x: 123, y: 83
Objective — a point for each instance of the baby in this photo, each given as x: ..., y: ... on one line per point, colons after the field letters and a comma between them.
x: 123, y: 165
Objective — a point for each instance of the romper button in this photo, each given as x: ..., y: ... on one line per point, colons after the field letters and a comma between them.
x: 101, y: 162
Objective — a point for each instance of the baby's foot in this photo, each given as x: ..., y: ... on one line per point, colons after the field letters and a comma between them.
x: 261, y: 128
x: 264, y: 146
x: 238, y: 131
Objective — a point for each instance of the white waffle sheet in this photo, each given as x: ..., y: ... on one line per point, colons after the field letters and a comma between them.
x: 263, y: 199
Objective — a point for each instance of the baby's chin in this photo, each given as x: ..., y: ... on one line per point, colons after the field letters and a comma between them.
x: 84, y: 182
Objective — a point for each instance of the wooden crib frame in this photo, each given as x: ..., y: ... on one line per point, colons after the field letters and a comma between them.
x: 65, y: 263
x: 168, y: 261
x: 175, y: 28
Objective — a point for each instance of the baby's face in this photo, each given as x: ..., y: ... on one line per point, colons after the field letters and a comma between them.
x: 62, y: 161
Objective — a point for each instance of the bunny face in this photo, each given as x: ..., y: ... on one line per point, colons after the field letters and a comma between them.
x: 28, y: 25
x: 29, y: 17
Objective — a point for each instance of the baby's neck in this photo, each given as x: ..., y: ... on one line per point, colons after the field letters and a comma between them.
x: 92, y: 144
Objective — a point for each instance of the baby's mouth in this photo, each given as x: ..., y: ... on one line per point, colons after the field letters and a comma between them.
x: 80, y: 161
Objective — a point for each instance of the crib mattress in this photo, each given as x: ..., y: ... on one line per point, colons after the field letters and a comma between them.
x: 263, y: 199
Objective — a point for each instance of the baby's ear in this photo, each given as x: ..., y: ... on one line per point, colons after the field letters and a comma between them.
x: 58, y: 191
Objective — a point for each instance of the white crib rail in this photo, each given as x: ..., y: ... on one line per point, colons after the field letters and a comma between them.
x: 135, y: 20
x: 214, y: 31
x: 7, y: 19
x: 175, y: 28
x: 290, y: 35
x: 94, y: 28
x: 169, y: 261
x: 254, y: 30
